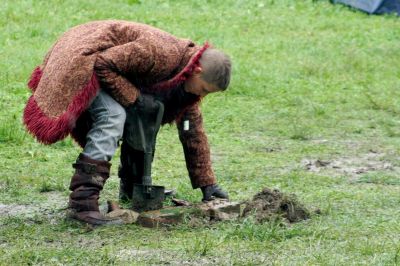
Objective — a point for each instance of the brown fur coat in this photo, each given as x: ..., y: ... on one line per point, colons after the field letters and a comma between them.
x: 125, y: 58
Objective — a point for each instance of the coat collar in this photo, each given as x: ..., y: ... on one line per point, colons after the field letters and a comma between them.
x: 184, y: 74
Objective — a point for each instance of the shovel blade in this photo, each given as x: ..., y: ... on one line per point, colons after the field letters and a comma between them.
x: 147, y: 198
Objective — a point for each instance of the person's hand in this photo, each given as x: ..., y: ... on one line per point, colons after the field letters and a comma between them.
x: 212, y: 192
x: 146, y: 103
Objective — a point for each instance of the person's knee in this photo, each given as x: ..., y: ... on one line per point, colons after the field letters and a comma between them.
x: 117, y: 117
x: 108, y: 115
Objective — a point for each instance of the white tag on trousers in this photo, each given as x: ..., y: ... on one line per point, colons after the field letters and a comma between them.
x: 186, y: 125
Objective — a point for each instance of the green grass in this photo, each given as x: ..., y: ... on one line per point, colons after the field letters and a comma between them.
x: 311, y: 80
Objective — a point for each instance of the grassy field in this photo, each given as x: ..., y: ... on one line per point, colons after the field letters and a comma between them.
x: 313, y: 109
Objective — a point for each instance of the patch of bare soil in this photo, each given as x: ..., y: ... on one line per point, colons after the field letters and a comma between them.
x: 350, y: 166
x: 51, y: 208
x: 268, y: 204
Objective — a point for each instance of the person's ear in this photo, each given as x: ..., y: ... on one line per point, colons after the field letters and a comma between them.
x: 198, y: 70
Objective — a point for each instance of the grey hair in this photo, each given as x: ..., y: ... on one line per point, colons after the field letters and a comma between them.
x: 216, y: 68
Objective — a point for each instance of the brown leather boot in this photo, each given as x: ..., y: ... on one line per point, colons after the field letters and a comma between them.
x: 86, y: 184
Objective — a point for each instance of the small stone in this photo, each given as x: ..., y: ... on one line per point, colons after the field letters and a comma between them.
x: 221, y: 209
x: 321, y: 163
x: 127, y: 216
x: 180, y: 202
x: 166, y: 216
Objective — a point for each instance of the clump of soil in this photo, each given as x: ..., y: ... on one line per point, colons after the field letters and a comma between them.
x: 268, y: 204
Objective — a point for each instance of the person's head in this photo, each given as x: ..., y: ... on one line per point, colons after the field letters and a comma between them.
x: 212, y: 75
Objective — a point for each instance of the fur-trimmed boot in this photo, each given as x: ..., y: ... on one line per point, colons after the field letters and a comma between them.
x: 86, y: 184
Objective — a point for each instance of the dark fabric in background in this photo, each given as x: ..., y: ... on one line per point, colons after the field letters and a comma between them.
x: 373, y: 6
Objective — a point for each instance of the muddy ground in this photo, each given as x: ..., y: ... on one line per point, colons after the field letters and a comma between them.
x: 52, y: 208
x: 265, y: 205
x: 351, y: 166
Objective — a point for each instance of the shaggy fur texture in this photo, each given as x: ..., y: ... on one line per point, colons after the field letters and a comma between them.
x: 122, y: 57
x: 196, y: 148
x: 183, y: 75
x: 35, y: 78
x: 49, y: 130
x: 126, y: 59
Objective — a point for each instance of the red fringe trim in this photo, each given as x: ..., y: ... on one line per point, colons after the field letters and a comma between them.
x: 50, y: 130
x: 35, y: 78
x: 185, y: 73
x: 82, y: 128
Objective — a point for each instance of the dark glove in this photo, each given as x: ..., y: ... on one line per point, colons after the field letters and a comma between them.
x: 211, y: 192
x: 146, y: 103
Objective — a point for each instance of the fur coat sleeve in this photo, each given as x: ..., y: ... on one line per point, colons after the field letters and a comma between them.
x: 196, y: 148
x: 115, y: 65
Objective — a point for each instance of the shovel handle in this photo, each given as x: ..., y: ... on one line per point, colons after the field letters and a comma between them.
x: 148, y: 158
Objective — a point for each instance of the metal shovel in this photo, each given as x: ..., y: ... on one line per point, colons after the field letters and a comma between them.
x: 144, y: 120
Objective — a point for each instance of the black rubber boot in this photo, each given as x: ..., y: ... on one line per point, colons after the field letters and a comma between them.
x: 130, y: 171
x: 212, y: 192
x: 86, y: 184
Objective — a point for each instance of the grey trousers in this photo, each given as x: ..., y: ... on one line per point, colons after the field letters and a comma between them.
x: 108, y: 118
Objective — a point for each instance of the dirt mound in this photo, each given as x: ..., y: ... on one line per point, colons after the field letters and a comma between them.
x: 268, y: 204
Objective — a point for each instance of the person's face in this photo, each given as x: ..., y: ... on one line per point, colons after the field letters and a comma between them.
x: 198, y: 86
